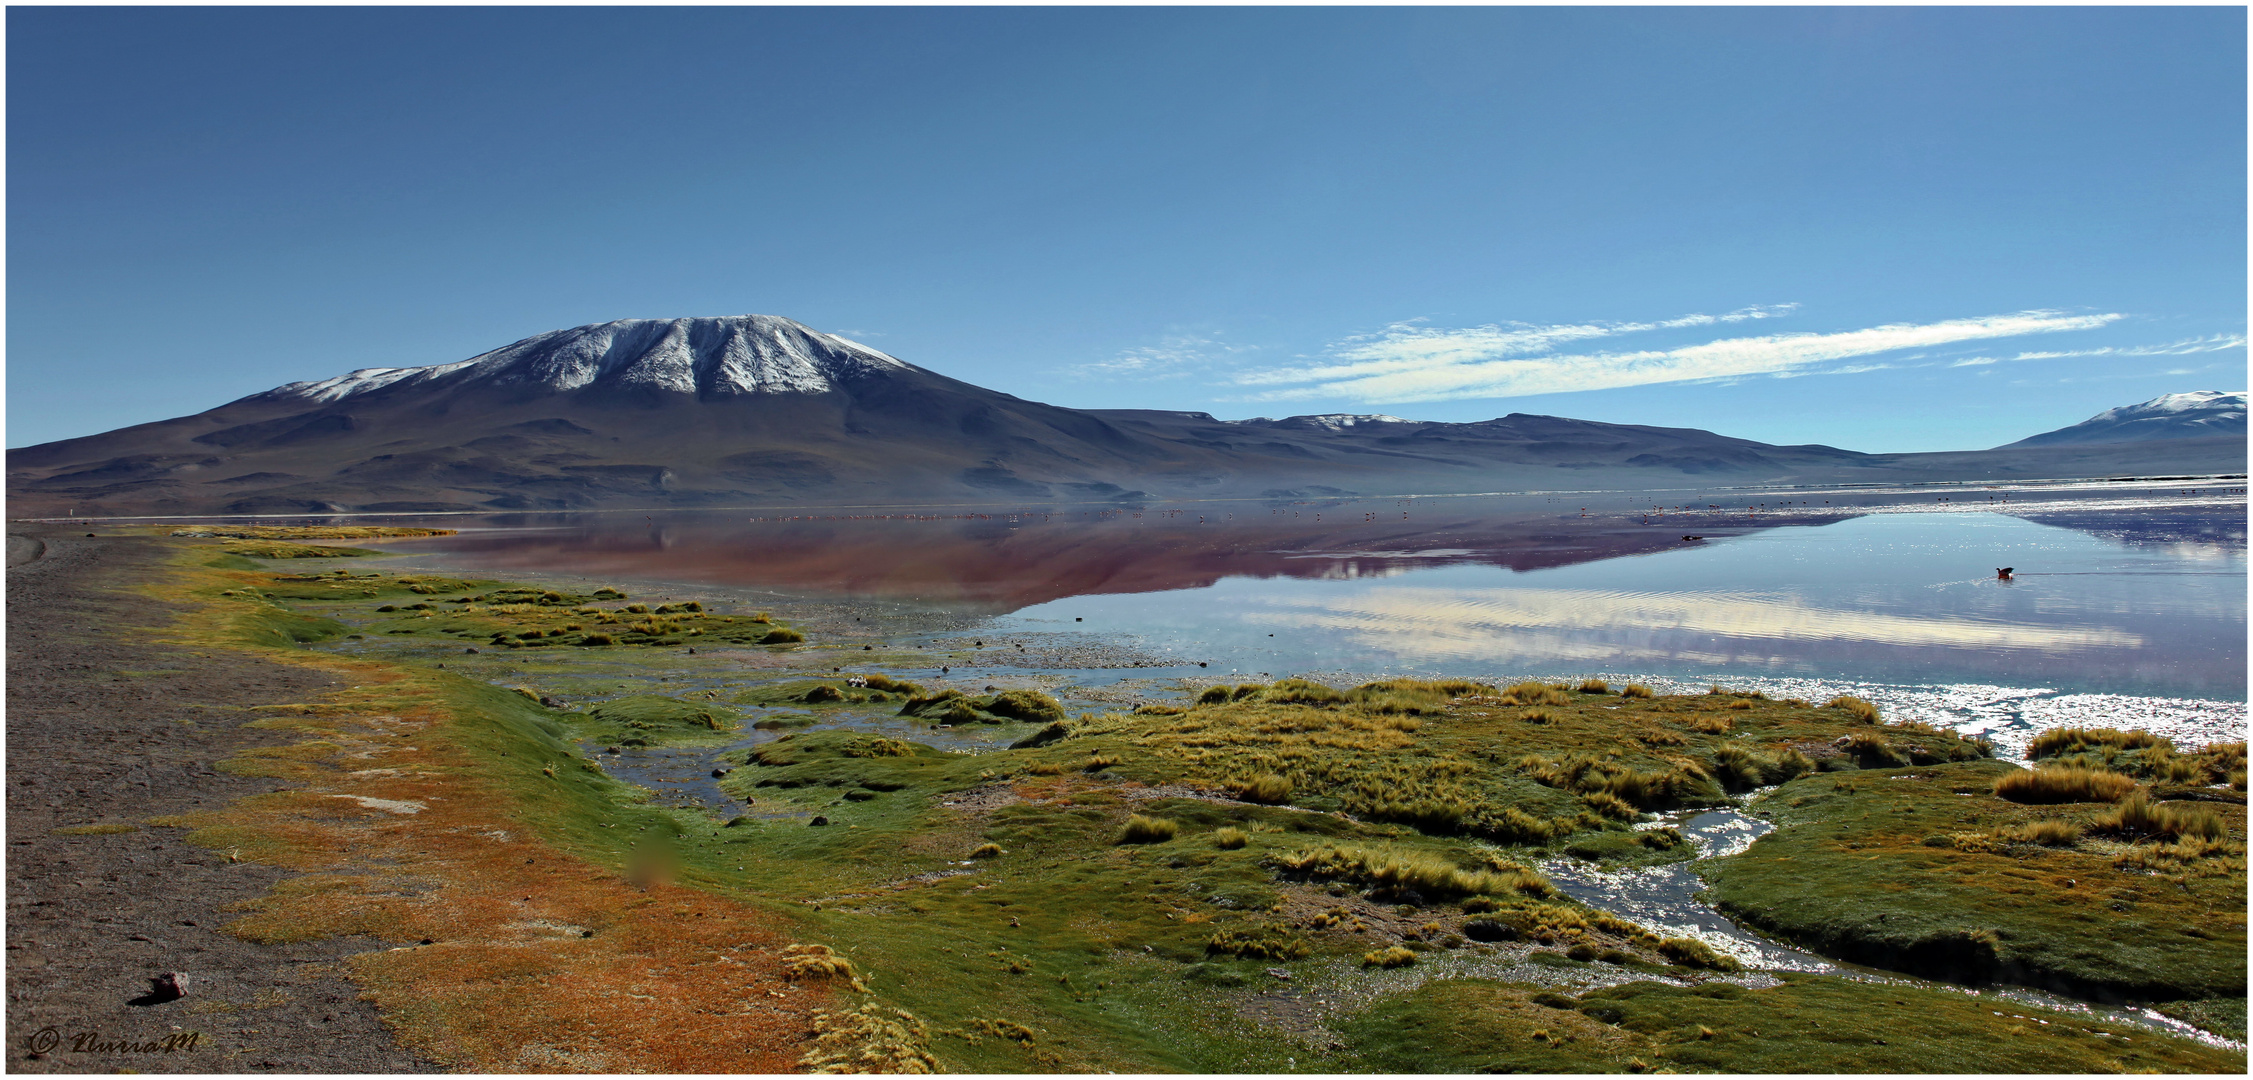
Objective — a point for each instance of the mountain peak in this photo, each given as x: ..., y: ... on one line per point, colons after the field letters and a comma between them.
x: 2195, y: 400
x: 1325, y: 421
x: 722, y: 356
x: 2194, y: 414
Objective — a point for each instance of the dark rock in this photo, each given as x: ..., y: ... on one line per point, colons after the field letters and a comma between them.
x: 1052, y: 733
x: 1489, y: 930
x: 818, y: 820
x: 170, y: 986
x: 469, y: 650
x: 1212, y: 975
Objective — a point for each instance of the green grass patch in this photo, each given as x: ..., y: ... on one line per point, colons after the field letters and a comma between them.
x: 1928, y: 872
x: 655, y: 720
x: 1007, y: 706
x: 1811, y: 1024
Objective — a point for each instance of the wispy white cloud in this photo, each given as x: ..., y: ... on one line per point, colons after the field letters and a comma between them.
x: 1410, y: 346
x: 2216, y: 343
x: 1174, y: 356
x: 1416, y: 363
x: 2185, y: 347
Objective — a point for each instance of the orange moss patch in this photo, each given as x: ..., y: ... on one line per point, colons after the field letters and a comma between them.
x: 517, y: 955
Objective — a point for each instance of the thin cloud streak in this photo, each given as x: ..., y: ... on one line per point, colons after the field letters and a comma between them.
x: 1175, y: 356
x: 2185, y: 347
x: 1437, y: 365
x: 1407, y: 346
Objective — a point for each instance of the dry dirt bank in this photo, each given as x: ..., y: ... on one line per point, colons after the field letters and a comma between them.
x: 105, y: 725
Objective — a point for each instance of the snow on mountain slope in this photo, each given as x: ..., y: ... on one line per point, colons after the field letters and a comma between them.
x: 1324, y: 421
x: 2195, y: 414
x: 736, y: 354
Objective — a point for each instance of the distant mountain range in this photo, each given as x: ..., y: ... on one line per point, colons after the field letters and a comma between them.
x: 761, y: 410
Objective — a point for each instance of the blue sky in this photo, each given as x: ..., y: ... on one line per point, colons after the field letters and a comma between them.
x: 1883, y: 229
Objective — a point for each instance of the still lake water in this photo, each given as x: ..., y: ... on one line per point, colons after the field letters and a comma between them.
x: 2127, y: 606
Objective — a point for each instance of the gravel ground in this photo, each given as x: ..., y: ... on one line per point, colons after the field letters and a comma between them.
x: 108, y: 726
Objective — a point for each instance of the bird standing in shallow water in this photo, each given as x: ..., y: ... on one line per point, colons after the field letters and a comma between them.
x: 2002, y: 573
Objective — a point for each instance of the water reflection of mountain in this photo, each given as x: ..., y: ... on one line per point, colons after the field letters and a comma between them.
x: 1002, y: 562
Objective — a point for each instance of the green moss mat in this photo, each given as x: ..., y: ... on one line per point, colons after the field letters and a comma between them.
x: 1915, y: 870
x: 1811, y: 1024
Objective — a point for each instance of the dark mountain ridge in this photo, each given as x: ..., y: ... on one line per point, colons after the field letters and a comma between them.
x: 760, y: 410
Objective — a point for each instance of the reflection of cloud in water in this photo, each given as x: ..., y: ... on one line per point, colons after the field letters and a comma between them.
x: 1480, y: 622
x: 2190, y: 551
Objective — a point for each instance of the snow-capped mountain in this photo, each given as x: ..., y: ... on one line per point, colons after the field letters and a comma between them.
x: 735, y: 354
x: 1325, y: 421
x: 758, y: 410
x: 2197, y: 414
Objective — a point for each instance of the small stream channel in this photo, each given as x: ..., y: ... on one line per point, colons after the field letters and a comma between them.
x: 1665, y: 898
x: 682, y: 776
x: 1669, y: 900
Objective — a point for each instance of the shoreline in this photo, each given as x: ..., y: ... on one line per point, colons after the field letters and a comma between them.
x: 1903, y: 488
x: 100, y: 736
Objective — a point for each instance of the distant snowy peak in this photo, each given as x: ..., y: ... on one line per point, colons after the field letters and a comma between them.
x: 2169, y: 416
x: 2211, y: 402
x: 1326, y: 421
x: 736, y: 354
